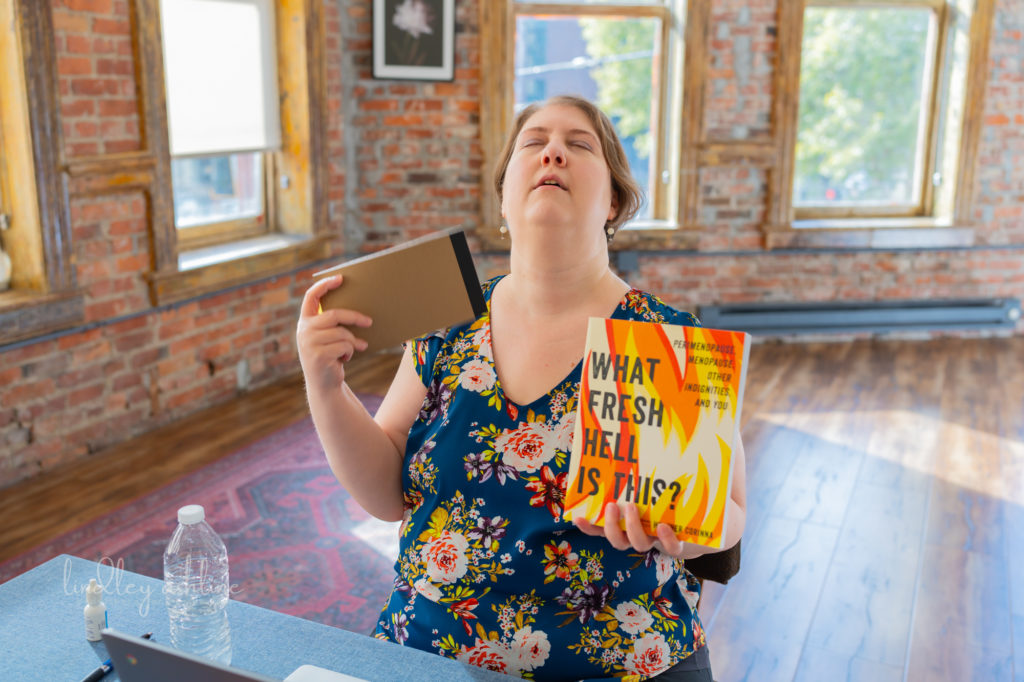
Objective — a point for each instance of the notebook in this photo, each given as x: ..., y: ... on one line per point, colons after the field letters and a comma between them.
x: 409, y: 290
x: 141, y: 660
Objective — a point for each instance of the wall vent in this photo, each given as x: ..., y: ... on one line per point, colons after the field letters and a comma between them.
x: 863, y: 316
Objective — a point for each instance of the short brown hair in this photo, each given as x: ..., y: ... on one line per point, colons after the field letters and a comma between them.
x: 626, y: 191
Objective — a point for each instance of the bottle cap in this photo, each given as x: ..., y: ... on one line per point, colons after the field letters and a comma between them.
x: 93, y: 593
x: 191, y: 514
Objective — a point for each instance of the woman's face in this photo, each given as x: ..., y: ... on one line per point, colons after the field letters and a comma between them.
x: 557, y: 175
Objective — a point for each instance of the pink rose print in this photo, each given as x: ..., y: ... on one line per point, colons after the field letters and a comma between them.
x: 525, y: 449
x: 650, y: 656
x: 530, y: 648
x: 633, y: 618
x: 445, y: 557
x: 477, y: 376
x: 490, y: 655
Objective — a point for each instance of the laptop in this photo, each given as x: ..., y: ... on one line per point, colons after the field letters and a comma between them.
x: 141, y: 660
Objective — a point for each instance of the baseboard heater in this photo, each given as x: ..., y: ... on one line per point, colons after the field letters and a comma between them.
x: 863, y: 316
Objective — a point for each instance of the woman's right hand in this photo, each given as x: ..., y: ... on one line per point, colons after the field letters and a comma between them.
x: 325, y: 340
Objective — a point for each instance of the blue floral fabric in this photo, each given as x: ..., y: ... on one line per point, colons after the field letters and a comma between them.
x: 488, y: 572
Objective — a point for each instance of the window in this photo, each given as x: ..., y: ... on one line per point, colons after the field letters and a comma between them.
x: 42, y: 296
x: 234, y: 105
x: 625, y: 56
x: 223, y: 117
x: 881, y: 133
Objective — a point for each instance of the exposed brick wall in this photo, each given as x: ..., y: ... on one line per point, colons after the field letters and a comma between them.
x: 404, y: 159
x: 738, y: 93
x: 417, y: 157
x: 96, y: 77
x: 133, y: 367
x: 1000, y: 175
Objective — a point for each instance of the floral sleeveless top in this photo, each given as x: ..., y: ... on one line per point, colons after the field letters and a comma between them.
x: 488, y: 572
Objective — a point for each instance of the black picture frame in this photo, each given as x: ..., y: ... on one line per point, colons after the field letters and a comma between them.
x: 414, y: 39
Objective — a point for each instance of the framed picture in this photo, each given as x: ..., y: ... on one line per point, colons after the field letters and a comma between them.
x: 414, y: 39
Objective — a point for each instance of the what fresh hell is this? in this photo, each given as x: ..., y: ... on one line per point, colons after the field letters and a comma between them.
x: 622, y: 408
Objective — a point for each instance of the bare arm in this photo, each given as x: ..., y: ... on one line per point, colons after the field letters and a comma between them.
x: 666, y: 541
x: 365, y: 454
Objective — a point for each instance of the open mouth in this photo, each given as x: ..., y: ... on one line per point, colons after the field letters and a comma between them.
x: 550, y: 182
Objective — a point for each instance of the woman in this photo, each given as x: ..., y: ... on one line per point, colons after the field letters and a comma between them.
x: 470, y: 446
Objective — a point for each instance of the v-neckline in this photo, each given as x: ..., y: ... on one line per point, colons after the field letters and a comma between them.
x: 569, y: 378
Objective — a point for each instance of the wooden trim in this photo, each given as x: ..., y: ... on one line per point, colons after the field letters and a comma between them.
x: 27, y: 314
x: 786, y: 100
x: 974, y: 108
x: 108, y: 174
x: 786, y: 237
x: 40, y: 65
x: 695, y: 66
x: 572, y: 9
x: 178, y: 285
x: 495, y: 64
x: 149, y: 74
x: 934, y: 107
x: 757, y: 154
x: 223, y: 232
x: 316, y: 86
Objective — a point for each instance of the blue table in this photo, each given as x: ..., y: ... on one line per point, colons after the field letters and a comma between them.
x: 42, y: 631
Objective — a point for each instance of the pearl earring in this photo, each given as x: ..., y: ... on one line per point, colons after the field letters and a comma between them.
x: 610, y: 231
x: 503, y: 228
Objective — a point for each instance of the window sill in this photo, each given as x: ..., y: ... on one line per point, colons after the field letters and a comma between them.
x: 869, y: 233
x: 213, y: 268
x: 28, y: 314
x: 638, y: 235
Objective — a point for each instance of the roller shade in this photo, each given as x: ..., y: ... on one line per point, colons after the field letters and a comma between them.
x: 220, y: 71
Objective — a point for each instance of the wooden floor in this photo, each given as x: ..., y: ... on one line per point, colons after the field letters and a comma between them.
x: 885, y: 534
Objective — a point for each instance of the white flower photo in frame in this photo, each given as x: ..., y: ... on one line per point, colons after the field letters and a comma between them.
x: 414, y: 39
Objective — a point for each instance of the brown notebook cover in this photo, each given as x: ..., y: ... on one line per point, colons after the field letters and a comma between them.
x: 410, y: 289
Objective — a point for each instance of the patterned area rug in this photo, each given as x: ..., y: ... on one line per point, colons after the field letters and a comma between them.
x: 297, y: 543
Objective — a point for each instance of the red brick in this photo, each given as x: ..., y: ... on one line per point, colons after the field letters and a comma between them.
x: 119, y: 67
x: 71, y: 23
x: 136, y: 263
x: 74, y: 65
x: 111, y: 26
x: 94, y: 6
x: 117, y: 107
x: 24, y: 392
x: 84, y: 395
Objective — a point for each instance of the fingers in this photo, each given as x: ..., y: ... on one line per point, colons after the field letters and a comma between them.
x: 311, y: 301
x: 635, y: 532
x: 667, y: 541
x: 634, y: 536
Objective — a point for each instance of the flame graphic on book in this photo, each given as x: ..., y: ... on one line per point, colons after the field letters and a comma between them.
x: 658, y: 414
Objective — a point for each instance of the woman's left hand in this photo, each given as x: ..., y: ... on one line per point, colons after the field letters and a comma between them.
x: 634, y: 536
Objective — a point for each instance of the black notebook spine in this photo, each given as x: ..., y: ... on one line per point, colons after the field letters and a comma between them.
x: 461, y: 248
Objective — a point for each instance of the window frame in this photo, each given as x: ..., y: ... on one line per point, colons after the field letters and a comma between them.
x: 938, y: 9
x: 226, y: 231
x: 791, y: 227
x: 677, y: 202
x: 299, y: 215
x: 49, y: 299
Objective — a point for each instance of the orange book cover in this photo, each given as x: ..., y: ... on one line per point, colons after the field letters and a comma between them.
x: 657, y: 420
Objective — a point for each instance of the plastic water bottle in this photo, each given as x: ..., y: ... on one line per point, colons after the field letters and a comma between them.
x: 196, y: 587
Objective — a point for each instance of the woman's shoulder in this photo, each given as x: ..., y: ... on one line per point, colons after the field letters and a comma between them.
x: 645, y: 306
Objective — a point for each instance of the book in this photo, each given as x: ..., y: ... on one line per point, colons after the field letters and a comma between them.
x: 410, y: 289
x: 656, y: 423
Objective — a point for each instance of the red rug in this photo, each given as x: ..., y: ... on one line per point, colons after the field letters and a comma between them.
x: 297, y: 543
